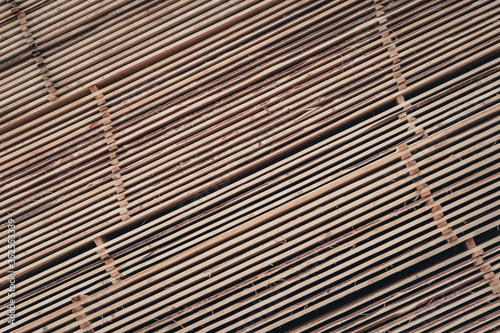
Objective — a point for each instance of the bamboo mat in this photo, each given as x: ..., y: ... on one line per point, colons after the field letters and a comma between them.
x: 251, y: 165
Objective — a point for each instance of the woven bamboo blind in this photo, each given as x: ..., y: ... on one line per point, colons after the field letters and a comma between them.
x: 251, y: 165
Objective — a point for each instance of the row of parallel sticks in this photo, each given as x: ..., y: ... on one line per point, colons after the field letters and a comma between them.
x: 423, y: 188
x: 36, y: 54
x: 110, y: 144
x: 137, y: 179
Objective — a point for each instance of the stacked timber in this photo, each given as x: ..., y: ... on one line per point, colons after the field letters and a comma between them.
x: 250, y: 165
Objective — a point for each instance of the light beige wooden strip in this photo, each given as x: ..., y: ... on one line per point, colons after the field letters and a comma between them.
x: 24, y: 69
x: 13, y: 46
x: 58, y: 155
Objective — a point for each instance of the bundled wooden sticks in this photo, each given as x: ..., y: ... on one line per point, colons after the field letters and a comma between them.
x: 250, y: 165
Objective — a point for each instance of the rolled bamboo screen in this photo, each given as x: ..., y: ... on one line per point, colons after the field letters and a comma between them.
x: 250, y: 165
